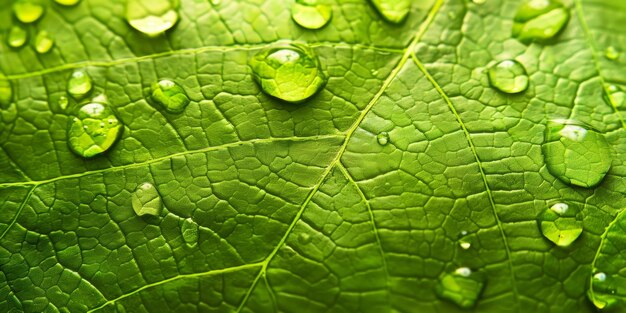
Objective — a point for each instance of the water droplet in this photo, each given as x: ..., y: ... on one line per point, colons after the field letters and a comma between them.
x: 611, y: 53
x: 464, y: 242
x: 63, y: 102
x: 394, y: 11
x: 289, y: 72
x: 602, y: 291
x: 152, y: 17
x: 6, y: 91
x: 304, y: 238
x: 146, y: 200
x: 615, y: 96
x: 539, y: 20
x: 561, y: 223
x: 508, y: 76
x: 170, y: 95
x: 67, y: 2
x: 79, y: 84
x: 43, y: 43
x: 216, y: 2
x: 461, y: 287
x: 85, y: 136
x: 383, y: 138
x: 189, y: 230
x: 17, y: 36
x: 479, y: 1
x: 28, y: 11
x: 311, y: 14
x: 576, y: 154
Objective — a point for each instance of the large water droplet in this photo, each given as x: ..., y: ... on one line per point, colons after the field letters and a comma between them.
x: 170, y: 95
x: 67, y: 2
x: 561, y: 223
x: 79, y: 84
x: 383, y: 138
x: 602, y: 291
x: 28, y: 11
x: 576, y: 154
x: 539, y: 20
x: 94, y: 130
x: 43, y: 43
x: 508, y: 76
x: 6, y: 91
x: 461, y: 287
x: 17, y: 36
x: 152, y: 17
x: 394, y: 11
x: 289, y: 72
x: 189, y: 230
x: 146, y: 200
x: 311, y: 14
x: 611, y: 53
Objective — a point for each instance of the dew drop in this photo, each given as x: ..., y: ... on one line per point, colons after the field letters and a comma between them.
x: 28, y: 11
x: 575, y: 153
x: 561, y: 223
x: 216, y: 2
x: 508, y: 76
x: 539, y: 20
x: 311, y: 14
x: 189, y: 230
x: 169, y: 95
x: 67, y: 2
x: 479, y: 1
x: 6, y: 91
x: 464, y: 242
x: 602, y: 292
x: 79, y: 84
x: 146, y: 200
x: 393, y: 11
x: 63, y: 102
x: 611, y: 53
x: 43, y: 43
x: 383, y: 138
x: 152, y: 17
x: 462, y: 287
x: 304, y: 238
x: 615, y: 96
x: 290, y: 72
x: 17, y: 36
x: 85, y: 136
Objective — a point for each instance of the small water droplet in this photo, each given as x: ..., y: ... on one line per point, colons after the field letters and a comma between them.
x: 561, y: 223
x: 152, y: 17
x: 539, y: 20
x: 508, y: 76
x: 615, y: 96
x: 216, y: 2
x: 63, y: 102
x: 463, y: 240
x: 575, y: 153
x: 67, y: 2
x: 288, y: 72
x: 85, y: 136
x: 611, y: 53
x: 393, y: 11
x: 6, y: 91
x: 169, y: 95
x: 43, y: 43
x: 189, y: 230
x: 602, y: 291
x: 383, y: 138
x: 304, y: 238
x: 28, y: 11
x: 479, y: 1
x: 465, y: 245
x: 17, y: 36
x: 79, y: 84
x: 311, y: 14
x: 146, y: 200
x: 462, y: 287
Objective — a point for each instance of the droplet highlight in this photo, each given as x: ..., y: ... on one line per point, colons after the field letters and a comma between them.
x: 575, y: 153
x: 561, y: 223
x: 28, y: 11
x: 17, y: 36
x: 189, y: 231
x: 43, y: 43
x: 539, y: 20
x: 393, y: 11
x: 93, y: 130
x: 462, y: 287
x: 152, y: 17
x: 79, y: 84
x: 508, y: 76
x: 169, y: 95
x: 289, y: 72
x: 383, y: 138
x: 146, y: 200
x: 311, y: 14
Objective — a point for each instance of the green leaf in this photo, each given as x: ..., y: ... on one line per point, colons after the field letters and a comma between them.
x: 406, y: 166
